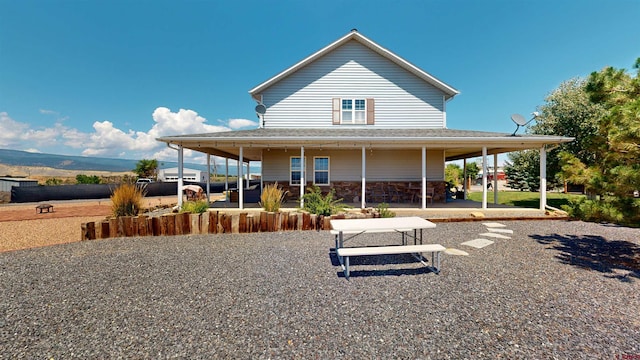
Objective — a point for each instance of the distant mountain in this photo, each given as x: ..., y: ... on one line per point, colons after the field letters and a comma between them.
x: 70, y: 162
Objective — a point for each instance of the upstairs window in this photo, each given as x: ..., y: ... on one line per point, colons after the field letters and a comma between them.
x: 353, y: 111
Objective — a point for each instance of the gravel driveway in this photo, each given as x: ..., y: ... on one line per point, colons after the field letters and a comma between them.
x: 554, y: 290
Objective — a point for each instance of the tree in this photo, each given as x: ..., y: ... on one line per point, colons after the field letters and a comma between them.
x: 146, y: 168
x: 86, y: 179
x: 523, y: 170
x: 472, y: 170
x: 612, y: 167
x: 568, y: 111
x: 453, y: 174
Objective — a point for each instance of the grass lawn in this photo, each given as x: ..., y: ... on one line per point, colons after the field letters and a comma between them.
x: 525, y: 199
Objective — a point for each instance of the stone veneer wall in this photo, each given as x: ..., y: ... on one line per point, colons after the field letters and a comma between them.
x: 350, y: 191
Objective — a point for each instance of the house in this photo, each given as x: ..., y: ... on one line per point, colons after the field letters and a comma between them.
x: 359, y: 119
x: 171, y: 175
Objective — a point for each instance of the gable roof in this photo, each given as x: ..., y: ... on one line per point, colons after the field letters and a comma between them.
x: 355, y: 35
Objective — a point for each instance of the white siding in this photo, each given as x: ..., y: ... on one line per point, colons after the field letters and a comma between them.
x: 304, y: 99
x: 345, y: 165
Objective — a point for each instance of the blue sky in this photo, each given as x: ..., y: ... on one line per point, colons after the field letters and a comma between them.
x: 105, y: 78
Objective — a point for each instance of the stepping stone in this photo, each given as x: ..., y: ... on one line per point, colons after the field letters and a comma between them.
x: 494, y: 225
x: 452, y: 251
x: 494, y: 235
x: 504, y: 231
x: 478, y: 243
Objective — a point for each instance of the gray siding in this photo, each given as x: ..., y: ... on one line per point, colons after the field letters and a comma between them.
x: 345, y: 165
x: 353, y: 71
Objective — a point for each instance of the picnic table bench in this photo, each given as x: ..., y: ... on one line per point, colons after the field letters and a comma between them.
x: 40, y: 208
x: 405, y: 226
x: 434, y: 249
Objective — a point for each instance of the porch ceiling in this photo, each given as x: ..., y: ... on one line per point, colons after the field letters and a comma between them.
x: 457, y: 144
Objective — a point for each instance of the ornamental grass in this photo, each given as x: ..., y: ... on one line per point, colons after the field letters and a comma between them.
x: 126, y: 200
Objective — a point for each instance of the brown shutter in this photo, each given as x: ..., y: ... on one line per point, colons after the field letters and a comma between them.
x: 371, y: 109
x: 336, y: 111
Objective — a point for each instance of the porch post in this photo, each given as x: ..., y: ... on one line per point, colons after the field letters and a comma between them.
x: 248, y: 173
x: 226, y: 178
x: 424, y: 178
x: 180, y: 173
x: 495, y: 178
x: 208, y: 178
x: 363, y: 203
x: 261, y: 160
x: 484, y: 177
x: 464, y: 178
x: 302, y: 180
x: 543, y: 178
x: 240, y: 176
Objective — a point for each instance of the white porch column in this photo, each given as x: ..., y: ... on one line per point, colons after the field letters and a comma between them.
x: 543, y: 178
x: 302, y: 180
x: 208, y: 178
x: 180, y: 173
x: 424, y: 178
x: 240, y: 176
x: 248, y: 174
x: 363, y: 194
x: 495, y: 178
x: 226, y: 178
x: 464, y: 177
x: 484, y: 177
x: 261, y: 161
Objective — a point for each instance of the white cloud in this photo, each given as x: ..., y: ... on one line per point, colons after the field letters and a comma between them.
x: 10, y: 131
x: 241, y: 123
x: 107, y: 140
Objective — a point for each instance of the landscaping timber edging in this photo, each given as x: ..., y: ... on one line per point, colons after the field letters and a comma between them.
x: 211, y: 222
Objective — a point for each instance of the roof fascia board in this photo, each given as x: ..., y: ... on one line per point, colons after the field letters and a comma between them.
x: 404, y: 139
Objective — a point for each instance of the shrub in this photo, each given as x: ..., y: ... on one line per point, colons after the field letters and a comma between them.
x: 613, y: 210
x: 195, y: 207
x: 271, y: 198
x: 126, y: 200
x: 316, y: 203
x: 383, y: 210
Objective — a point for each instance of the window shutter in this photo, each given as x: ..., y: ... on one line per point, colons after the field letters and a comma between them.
x: 371, y: 109
x: 336, y: 111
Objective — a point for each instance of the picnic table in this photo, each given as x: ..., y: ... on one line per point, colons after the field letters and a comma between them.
x: 42, y: 207
x: 408, y: 227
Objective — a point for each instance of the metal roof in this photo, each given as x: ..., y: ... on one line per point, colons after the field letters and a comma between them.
x: 457, y: 143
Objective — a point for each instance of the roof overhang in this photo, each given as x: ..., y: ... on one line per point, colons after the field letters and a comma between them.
x: 354, y: 35
x: 457, y: 144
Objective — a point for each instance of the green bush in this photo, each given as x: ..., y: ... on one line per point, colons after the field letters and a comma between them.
x: 126, y: 200
x: 271, y: 198
x: 195, y: 207
x: 383, y: 210
x: 316, y: 203
x: 623, y: 212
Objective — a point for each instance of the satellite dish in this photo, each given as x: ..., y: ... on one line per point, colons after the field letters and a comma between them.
x: 261, y: 109
x: 521, y: 121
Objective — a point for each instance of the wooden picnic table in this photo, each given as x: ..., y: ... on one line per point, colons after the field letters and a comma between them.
x: 42, y: 207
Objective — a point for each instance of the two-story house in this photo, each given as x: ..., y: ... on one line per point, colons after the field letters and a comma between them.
x: 359, y: 119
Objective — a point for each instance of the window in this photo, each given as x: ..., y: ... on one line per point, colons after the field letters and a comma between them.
x: 353, y: 111
x: 295, y: 170
x: 321, y: 170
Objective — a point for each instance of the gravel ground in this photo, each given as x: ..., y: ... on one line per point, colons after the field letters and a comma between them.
x: 554, y: 290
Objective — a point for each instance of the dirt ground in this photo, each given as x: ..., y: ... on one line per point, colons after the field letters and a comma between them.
x: 22, y: 227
